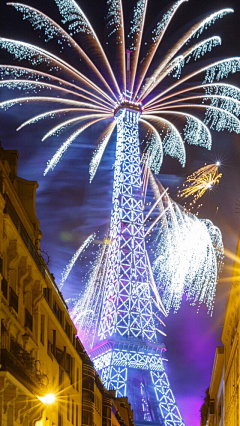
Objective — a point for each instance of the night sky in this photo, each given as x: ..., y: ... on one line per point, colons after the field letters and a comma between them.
x: 70, y: 209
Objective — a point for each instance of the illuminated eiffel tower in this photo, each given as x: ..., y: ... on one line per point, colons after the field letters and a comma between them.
x: 127, y: 354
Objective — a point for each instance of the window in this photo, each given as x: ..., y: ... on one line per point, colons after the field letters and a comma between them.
x: 61, y: 373
x: 85, y: 418
x: 73, y: 411
x: 67, y: 329
x: 68, y: 364
x: 13, y: 300
x: 12, y: 279
x: 60, y: 419
x: 57, y: 311
x: 97, y: 402
x: 78, y: 379
x: 46, y: 293
x: 76, y: 414
x: 4, y: 287
x: 42, y: 329
x: 68, y: 408
x: 28, y: 320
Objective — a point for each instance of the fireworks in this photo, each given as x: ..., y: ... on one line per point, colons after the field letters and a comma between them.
x: 72, y: 262
x: 200, y: 182
x: 188, y: 255
x: 86, y: 308
x: 95, y: 96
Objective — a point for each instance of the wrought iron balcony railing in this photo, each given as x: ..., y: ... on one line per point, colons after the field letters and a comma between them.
x: 34, y: 382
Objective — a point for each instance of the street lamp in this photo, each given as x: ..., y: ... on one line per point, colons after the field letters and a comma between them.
x: 47, y: 399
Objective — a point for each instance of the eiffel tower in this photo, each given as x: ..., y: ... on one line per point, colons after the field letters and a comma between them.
x: 126, y: 353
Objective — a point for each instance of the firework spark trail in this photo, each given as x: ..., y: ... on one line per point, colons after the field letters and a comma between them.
x: 155, y: 222
x: 27, y: 51
x: 200, y: 181
x: 226, y: 89
x: 154, y: 80
x: 172, y: 142
x: 137, y: 32
x: 196, y: 51
x: 70, y: 10
x: 57, y: 157
x: 177, y: 64
x: 11, y: 102
x: 195, y: 132
x: 158, y: 33
x: 116, y: 20
x: 17, y: 72
x: 223, y: 120
x: 158, y: 300
x: 86, y: 309
x: 219, y: 70
x: 144, y: 161
x: 55, y: 130
x: 155, y: 204
x: 181, y: 265
x: 98, y: 153
x: 235, y: 102
x: 155, y: 149
x: 41, y: 21
x: 51, y: 114
x: 72, y: 262
x: 28, y: 84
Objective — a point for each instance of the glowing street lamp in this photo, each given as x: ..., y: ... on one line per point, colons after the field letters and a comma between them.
x: 47, y: 399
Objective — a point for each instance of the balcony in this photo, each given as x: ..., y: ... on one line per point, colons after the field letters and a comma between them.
x: 13, y: 299
x: 29, y: 377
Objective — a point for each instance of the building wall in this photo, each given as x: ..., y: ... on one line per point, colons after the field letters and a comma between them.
x: 224, y: 387
x: 39, y: 351
x: 216, y: 390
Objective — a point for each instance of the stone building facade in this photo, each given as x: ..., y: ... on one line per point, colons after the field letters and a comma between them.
x: 40, y: 353
x: 224, y: 408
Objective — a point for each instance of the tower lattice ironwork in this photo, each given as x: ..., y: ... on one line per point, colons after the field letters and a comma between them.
x: 127, y: 354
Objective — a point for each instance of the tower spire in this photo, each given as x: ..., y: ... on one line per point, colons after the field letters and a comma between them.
x: 128, y: 53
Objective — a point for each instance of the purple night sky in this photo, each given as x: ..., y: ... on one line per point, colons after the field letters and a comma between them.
x: 69, y: 208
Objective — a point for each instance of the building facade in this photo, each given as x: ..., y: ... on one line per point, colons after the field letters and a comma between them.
x: 40, y: 355
x: 224, y: 406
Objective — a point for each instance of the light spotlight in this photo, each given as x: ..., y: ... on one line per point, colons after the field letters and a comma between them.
x: 47, y: 399
x: 218, y: 164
